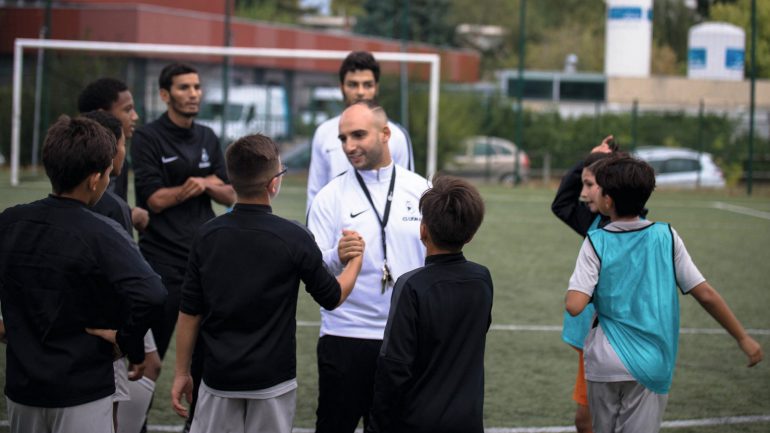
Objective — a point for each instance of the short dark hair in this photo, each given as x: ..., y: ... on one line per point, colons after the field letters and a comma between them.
x: 75, y: 148
x: 592, y: 161
x: 100, y: 94
x: 251, y: 163
x: 371, y: 104
x: 107, y: 120
x: 374, y: 107
x: 452, y: 210
x: 166, y: 78
x: 593, y: 157
x: 360, y: 61
x: 627, y: 180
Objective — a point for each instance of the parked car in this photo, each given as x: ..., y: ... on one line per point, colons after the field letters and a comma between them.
x: 682, y: 168
x: 250, y: 109
x: 297, y: 157
x: 325, y: 103
x: 488, y: 158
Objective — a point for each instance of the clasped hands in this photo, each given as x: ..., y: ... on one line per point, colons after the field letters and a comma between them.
x: 351, y: 245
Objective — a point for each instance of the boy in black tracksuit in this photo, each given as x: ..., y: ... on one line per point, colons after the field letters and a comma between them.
x: 111, y: 204
x: 64, y: 268
x: 240, y: 293
x: 566, y: 204
x: 436, y: 331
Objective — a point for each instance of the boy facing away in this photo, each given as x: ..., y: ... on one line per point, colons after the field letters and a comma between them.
x: 240, y: 294
x: 135, y: 395
x: 630, y: 270
x: 64, y: 269
x: 436, y: 331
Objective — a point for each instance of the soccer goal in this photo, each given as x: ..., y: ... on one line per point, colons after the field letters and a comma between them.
x: 433, y: 60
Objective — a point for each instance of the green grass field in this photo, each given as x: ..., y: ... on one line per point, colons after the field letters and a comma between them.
x: 530, y: 373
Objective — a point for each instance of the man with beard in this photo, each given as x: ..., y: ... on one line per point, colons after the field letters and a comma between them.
x: 178, y: 169
x: 378, y: 199
x: 359, y: 81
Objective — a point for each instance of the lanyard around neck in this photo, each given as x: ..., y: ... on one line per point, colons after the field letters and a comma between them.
x: 386, y: 213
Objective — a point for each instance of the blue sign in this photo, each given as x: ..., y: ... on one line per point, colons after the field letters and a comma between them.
x: 734, y: 58
x: 625, y: 13
x: 696, y: 58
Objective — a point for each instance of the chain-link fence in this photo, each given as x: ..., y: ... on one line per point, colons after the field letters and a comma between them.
x: 557, y: 134
x: 288, y: 105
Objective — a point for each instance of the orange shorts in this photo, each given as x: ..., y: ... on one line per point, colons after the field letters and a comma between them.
x: 580, y: 394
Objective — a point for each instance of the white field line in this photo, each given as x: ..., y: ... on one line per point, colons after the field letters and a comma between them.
x: 704, y: 422
x: 741, y: 210
x: 557, y: 328
x: 700, y: 204
x: 555, y: 429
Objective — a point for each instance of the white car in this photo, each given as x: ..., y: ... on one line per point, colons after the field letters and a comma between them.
x: 491, y: 158
x: 682, y: 168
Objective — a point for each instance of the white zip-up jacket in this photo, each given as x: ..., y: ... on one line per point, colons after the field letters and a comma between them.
x: 342, y: 204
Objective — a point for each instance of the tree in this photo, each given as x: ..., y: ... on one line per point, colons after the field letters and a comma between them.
x: 671, y: 24
x: 554, y: 29
x: 704, y: 6
x: 282, y: 11
x: 346, y: 8
x: 739, y: 13
x: 379, y: 19
x: 665, y: 61
x: 428, y: 21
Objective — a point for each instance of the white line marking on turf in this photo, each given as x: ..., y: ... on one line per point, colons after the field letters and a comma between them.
x: 752, y: 419
x: 720, y: 331
x: 164, y: 428
x: 563, y: 429
x: 556, y: 328
x: 536, y: 328
x: 704, y: 422
x: 730, y: 420
x: 741, y: 210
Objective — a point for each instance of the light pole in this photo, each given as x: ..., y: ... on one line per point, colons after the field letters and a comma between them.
x: 520, y: 94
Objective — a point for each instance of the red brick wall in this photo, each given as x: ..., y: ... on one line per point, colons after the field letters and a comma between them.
x: 210, y: 6
x: 149, y: 24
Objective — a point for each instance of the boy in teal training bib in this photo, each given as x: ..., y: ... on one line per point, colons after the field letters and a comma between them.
x: 629, y: 270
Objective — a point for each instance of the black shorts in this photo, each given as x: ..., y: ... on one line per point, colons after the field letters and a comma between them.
x: 346, y: 369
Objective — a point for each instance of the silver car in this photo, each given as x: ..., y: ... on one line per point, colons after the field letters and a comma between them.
x: 488, y: 158
x: 682, y: 168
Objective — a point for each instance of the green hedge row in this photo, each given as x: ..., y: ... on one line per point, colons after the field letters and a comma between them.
x: 462, y: 114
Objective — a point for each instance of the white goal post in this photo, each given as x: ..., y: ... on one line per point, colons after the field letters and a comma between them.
x: 121, y: 47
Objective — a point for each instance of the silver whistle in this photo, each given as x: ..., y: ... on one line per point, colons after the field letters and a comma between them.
x: 387, y: 278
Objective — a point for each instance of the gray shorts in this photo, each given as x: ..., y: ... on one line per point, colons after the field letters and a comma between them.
x: 93, y: 417
x: 120, y: 367
x: 149, y: 342
x: 214, y: 414
x: 121, y: 380
x: 625, y: 407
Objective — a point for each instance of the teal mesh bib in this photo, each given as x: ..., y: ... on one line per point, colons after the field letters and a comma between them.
x: 575, y: 329
x: 637, y: 301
